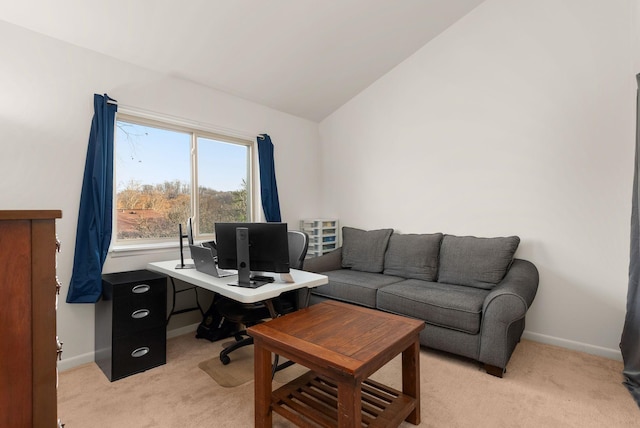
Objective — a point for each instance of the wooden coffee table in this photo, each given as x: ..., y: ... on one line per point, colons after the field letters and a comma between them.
x: 342, y: 345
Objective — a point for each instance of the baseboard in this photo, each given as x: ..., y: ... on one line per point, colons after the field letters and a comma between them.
x: 182, y: 330
x: 79, y: 360
x: 69, y: 363
x: 612, y: 354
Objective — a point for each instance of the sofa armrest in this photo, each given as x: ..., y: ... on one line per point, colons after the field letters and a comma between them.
x: 505, y: 306
x: 325, y: 263
x: 520, y: 282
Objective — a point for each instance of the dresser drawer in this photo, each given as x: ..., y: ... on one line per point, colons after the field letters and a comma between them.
x: 136, y: 353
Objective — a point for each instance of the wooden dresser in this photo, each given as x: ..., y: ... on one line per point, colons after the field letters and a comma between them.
x: 28, y: 352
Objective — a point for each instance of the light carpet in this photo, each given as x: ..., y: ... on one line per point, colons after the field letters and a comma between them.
x: 240, y: 370
x: 545, y: 386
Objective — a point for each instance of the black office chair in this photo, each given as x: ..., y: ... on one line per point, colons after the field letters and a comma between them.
x: 249, y: 314
x: 298, y: 245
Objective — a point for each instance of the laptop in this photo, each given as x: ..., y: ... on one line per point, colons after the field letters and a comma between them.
x: 205, y: 263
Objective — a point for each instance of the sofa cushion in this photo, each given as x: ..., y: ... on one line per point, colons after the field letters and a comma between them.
x: 353, y: 286
x: 452, y: 306
x: 363, y: 250
x: 475, y: 262
x: 413, y: 256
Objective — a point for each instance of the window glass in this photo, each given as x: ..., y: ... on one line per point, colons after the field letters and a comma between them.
x: 222, y: 183
x: 155, y: 189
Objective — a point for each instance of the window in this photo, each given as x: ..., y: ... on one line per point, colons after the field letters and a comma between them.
x: 165, y: 174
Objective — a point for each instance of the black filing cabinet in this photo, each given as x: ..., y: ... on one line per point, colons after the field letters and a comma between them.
x: 130, y: 324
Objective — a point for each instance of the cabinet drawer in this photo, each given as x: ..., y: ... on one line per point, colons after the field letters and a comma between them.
x: 139, y: 352
x: 128, y: 319
x: 138, y: 301
x: 135, y: 293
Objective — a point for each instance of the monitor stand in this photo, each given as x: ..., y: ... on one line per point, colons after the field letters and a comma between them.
x: 286, y: 277
x: 182, y: 265
x: 244, y: 265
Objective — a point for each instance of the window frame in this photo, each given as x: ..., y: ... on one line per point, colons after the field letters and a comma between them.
x: 196, y: 130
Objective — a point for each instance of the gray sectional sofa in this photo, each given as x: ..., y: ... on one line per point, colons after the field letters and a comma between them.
x: 471, y: 293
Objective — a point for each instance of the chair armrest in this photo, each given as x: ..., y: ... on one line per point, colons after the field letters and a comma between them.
x: 324, y: 263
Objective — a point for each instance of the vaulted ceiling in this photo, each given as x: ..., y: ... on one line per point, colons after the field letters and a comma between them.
x: 303, y: 57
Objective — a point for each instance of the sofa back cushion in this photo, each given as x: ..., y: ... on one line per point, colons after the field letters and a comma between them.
x: 364, y: 250
x: 475, y: 262
x: 413, y: 256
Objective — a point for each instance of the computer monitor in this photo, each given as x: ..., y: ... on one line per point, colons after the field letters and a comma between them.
x: 252, y: 248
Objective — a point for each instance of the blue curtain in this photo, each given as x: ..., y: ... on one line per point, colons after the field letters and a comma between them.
x: 268, y: 186
x: 93, y: 234
x: 630, y: 342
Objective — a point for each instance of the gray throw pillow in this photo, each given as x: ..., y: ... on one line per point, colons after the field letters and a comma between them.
x: 413, y: 256
x: 476, y: 262
x: 364, y: 250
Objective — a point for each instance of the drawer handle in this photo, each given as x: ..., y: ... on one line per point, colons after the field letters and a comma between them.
x: 142, y: 288
x: 140, y: 352
x: 140, y: 313
x: 59, y: 348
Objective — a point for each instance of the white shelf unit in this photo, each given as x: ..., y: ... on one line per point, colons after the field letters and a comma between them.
x: 323, y: 235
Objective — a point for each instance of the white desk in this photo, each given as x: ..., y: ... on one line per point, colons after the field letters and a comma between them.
x: 268, y: 291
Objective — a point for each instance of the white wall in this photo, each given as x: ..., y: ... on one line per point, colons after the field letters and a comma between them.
x: 519, y: 119
x: 47, y: 88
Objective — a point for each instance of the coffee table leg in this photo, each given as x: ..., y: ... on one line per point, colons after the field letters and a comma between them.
x: 262, y: 385
x: 349, y: 404
x: 411, y: 378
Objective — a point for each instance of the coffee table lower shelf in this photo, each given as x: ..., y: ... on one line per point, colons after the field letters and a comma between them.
x: 312, y: 401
